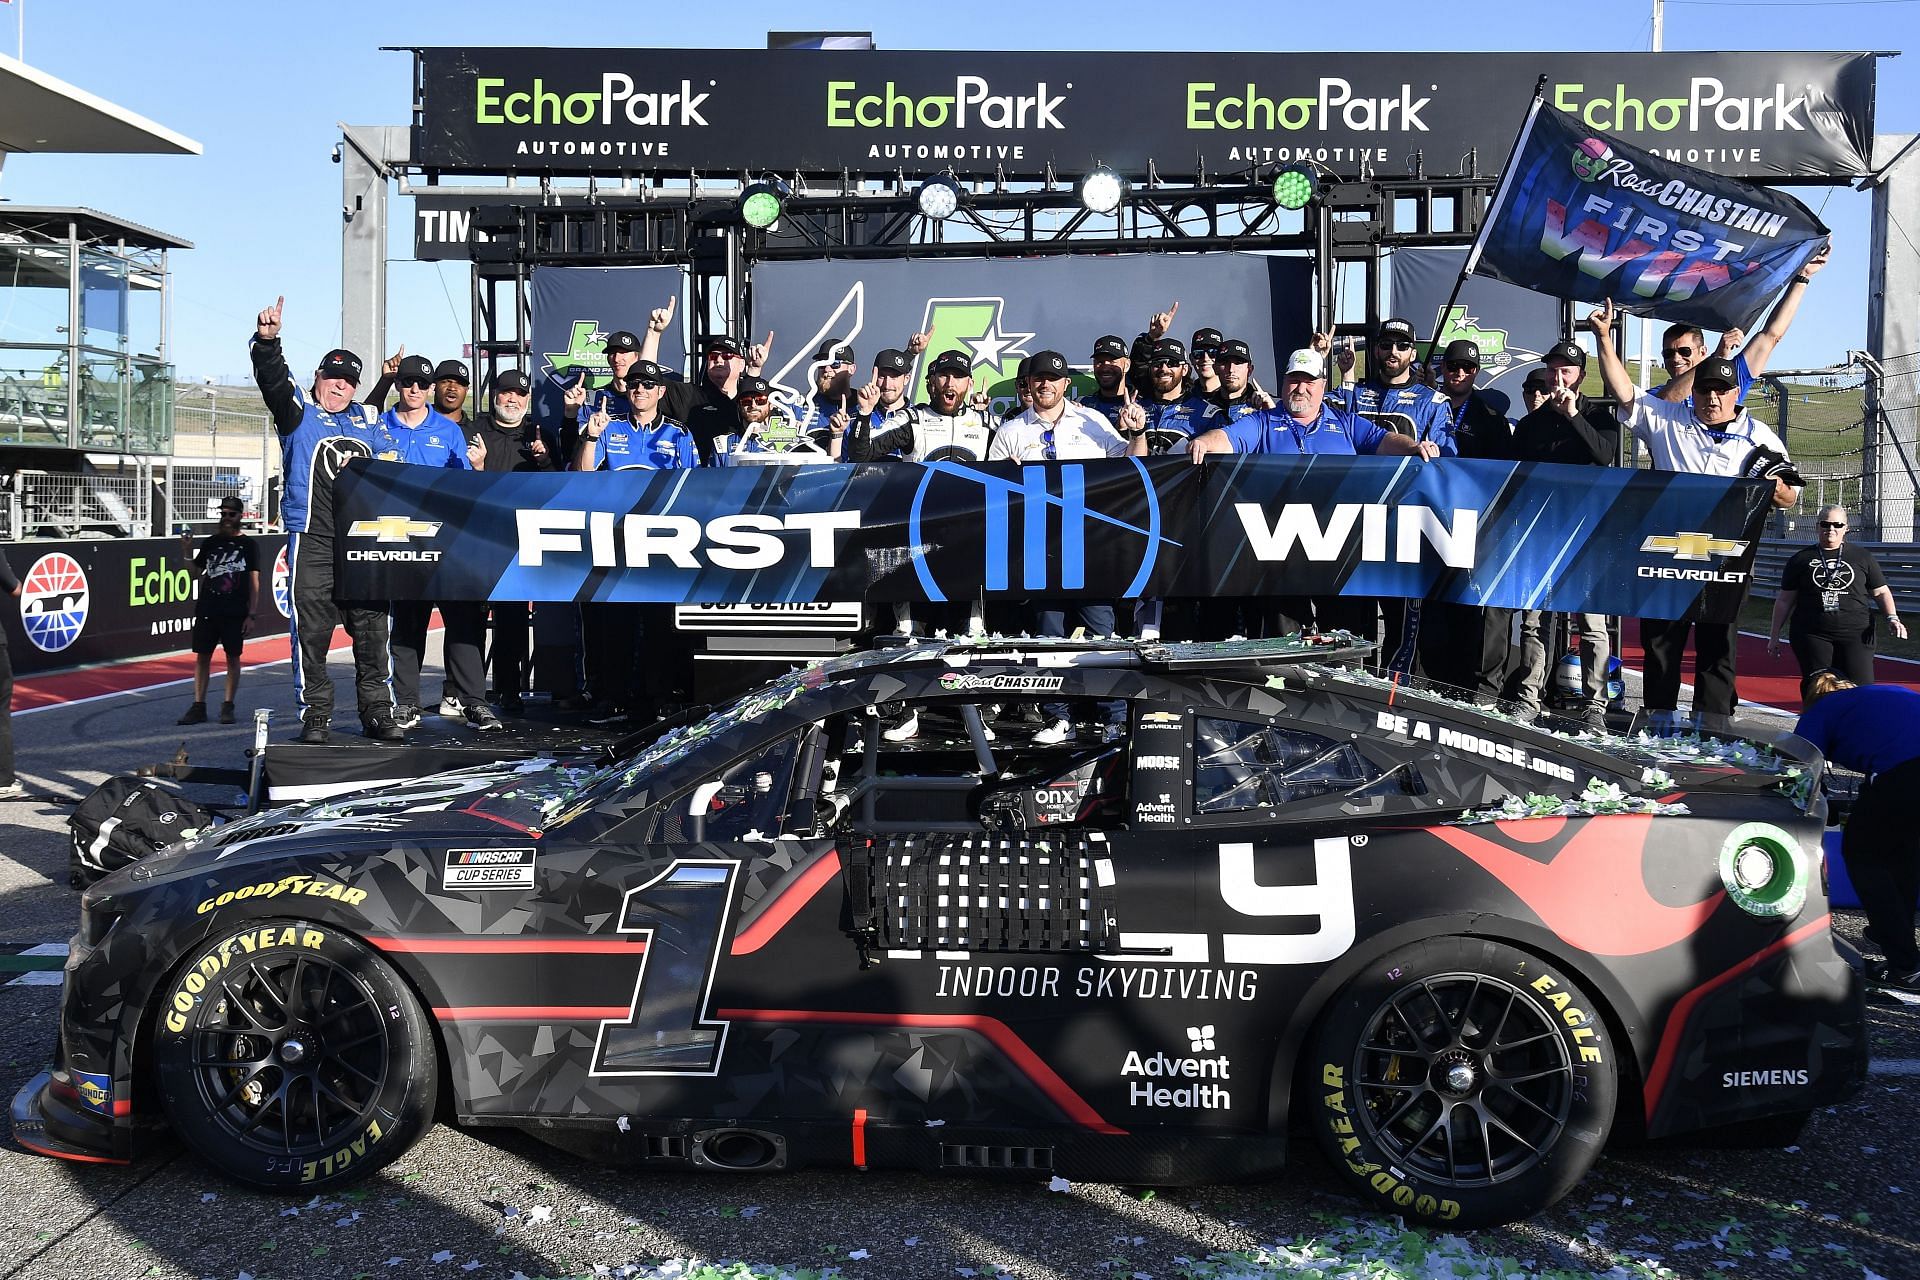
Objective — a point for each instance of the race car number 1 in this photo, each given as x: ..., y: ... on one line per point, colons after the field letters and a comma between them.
x: 683, y: 911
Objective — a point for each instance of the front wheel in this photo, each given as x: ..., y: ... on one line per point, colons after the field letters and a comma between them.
x: 1462, y: 1081
x: 291, y: 1057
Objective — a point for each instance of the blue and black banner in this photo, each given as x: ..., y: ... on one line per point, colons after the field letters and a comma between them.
x: 1528, y: 535
x: 1582, y: 215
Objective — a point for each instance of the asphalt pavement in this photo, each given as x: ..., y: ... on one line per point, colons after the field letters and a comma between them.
x: 492, y: 1204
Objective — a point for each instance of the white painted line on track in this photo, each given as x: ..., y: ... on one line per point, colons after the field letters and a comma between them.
x: 45, y: 949
x: 39, y: 978
x: 1894, y: 1067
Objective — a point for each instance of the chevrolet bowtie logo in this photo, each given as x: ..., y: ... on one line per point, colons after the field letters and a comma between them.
x: 394, y: 529
x: 1694, y: 546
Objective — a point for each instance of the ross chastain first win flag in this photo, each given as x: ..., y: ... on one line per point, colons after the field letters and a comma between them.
x: 1583, y: 216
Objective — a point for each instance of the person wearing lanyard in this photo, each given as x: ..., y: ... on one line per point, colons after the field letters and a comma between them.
x: 1706, y: 433
x: 1828, y: 590
x: 1875, y: 730
x: 1057, y: 429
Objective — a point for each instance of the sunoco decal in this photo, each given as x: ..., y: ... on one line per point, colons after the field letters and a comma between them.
x: 472, y: 869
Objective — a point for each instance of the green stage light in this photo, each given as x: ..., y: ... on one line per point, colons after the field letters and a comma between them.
x: 1294, y: 187
x: 762, y: 203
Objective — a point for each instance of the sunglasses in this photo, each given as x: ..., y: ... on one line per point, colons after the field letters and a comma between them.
x: 724, y: 354
x: 644, y: 384
x: 1676, y: 353
x: 834, y: 364
x: 1168, y: 364
x: 1832, y: 524
x: 755, y: 400
x: 1456, y: 366
x: 1536, y: 389
x: 1205, y: 353
x: 1393, y: 344
x: 413, y: 382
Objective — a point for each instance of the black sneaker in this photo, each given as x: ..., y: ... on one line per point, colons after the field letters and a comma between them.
x: 609, y: 715
x: 196, y: 714
x: 315, y: 730
x: 406, y: 715
x: 1881, y: 974
x: 480, y: 716
x: 382, y: 729
x: 226, y: 713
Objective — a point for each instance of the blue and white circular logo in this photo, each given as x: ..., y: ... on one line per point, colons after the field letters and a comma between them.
x: 53, y: 601
x: 282, y: 585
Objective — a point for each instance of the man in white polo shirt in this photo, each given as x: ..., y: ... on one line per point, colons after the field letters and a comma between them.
x: 1055, y: 428
x: 1708, y: 434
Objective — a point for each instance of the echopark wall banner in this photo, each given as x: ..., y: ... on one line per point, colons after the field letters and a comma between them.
x: 1779, y: 116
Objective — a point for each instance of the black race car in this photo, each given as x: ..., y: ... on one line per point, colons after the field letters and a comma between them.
x: 815, y: 929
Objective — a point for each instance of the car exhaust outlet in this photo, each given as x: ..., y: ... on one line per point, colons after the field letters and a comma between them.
x: 739, y: 1150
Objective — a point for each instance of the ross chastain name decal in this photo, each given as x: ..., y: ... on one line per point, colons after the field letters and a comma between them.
x: 1472, y: 744
x: 1002, y: 683
x: 636, y: 541
x: 1753, y: 1079
x: 1299, y: 524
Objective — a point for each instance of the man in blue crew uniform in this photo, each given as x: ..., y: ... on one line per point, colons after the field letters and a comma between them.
x: 1172, y: 407
x: 1237, y: 394
x: 1110, y: 368
x: 881, y: 425
x: 624, y: 692
x: 582, y: 402
x: 319, y: 433
x: 1203, y: 356
x: 428, y: 438
x: 832, y: 369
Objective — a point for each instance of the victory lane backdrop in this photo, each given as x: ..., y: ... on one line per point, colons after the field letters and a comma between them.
x: 1517, y: 535
x: 91, y: 600
x: 1584, y: 216
x: 575, y: 308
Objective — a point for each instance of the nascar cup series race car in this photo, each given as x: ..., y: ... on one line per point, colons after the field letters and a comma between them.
x: 1462, y: 951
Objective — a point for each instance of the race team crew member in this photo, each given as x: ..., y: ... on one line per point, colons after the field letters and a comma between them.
x: 1390, y: 395
x: 1174, y: 411
x: 1057, y: 428
x: 1683, y: 346
x: 881, y: 425
x: 510, y: 440
x: 706, y: 406
x: 450, y: 383
x: 227, y: 567
x: 832, y: 368
x: 952, y: 423
x: 1111, y: 366
x: 1203, y: 355
x: 1476, y: 429
x: 1829, y: 591
x: 1561, y: 425
x: 1237, y: 394
x: 765, y: 427
x: 1875, y: 730
x: 1706, y: 434
x: 318, y: 434
x: 427, y: 438
x: 625, y: 688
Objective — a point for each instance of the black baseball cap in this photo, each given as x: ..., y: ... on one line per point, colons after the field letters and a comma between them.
x: 1566, y: 351
x: 891, y: 360
x: 834, y: 349
x: 1396, y: 330
x: 722, y: 342
x: 1207, y: 338
x: 1169, y: 349
x: 951, y: 362
x: 340, y: 363
x: 1716, y: 372
x: 414, y: 368
x: 752, y: 386
x: 1234, y: 349
x: 1110, y: 346
x: 1023, y: 368
x: 1540, y: 378
x: 511, y: 380
x: 622, y: 340
x: 1047, y: 364
x: 647, y: 371
x: 452, y: 370
x: 1462, y: 351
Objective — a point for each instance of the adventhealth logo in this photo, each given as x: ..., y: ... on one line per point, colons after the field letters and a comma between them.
x: 848, y: 108
x: 494, y: 103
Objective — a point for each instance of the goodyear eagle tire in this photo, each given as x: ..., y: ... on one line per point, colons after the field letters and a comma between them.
x: 1462, y: 1082
x: 291, y: 1057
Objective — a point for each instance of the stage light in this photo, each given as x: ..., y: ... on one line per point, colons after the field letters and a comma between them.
x: 1294, y: 187
x: 1102, y: 190
x: 762, y: 202
x: 938, y: 197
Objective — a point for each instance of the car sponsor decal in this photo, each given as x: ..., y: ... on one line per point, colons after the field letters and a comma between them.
x: 95, y: 1090
x: 477, y: 869
x: 308, y: 886
x: 1444, y: 735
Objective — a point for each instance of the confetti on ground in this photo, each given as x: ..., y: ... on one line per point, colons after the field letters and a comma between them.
x: 1059, y: 1183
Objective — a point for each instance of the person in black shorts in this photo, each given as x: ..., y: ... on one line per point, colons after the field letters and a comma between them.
x: 1829, y: 593
x: 228, y: 567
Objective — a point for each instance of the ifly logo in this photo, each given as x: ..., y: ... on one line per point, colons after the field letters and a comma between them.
x: 1048, y: 550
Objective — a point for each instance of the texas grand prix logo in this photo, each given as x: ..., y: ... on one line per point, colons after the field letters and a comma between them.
x: 54, y: 597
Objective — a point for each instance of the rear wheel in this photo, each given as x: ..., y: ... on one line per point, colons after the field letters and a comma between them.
x: 290, y: 1056
x: 1463, y: 1081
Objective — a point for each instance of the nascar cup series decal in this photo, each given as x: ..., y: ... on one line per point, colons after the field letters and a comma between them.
x: 489, y: 869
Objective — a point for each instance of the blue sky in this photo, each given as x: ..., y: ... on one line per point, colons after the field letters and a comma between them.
x: 263, y: 89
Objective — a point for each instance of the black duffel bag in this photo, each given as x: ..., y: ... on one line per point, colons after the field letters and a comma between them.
x: 124, y: 820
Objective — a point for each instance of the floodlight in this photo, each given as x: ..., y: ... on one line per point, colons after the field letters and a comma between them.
x: 1295, y: 186
x: 938, y: 197
x: 762, y: 202
x: 1102, y: 190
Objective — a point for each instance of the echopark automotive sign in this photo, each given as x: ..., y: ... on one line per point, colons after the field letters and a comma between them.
x: 1772, y: 116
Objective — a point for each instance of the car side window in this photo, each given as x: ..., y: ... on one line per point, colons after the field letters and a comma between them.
x: 749, y: 799
x: 1241, y: 765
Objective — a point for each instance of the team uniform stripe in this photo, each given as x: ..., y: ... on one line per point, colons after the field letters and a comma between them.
x: 785, y: 907
x: 998, y: 1033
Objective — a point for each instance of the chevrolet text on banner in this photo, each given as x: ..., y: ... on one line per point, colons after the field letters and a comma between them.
x: 1654, y: 544
x: 1584, y: 216
x: 1778, y: 116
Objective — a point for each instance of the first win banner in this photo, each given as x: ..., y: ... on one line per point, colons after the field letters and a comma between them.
x: 1522, y: 535
x: 1584, y: 216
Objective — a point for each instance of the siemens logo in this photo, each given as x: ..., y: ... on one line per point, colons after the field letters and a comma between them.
x: 639, y: 541
x: 1298, y: 525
